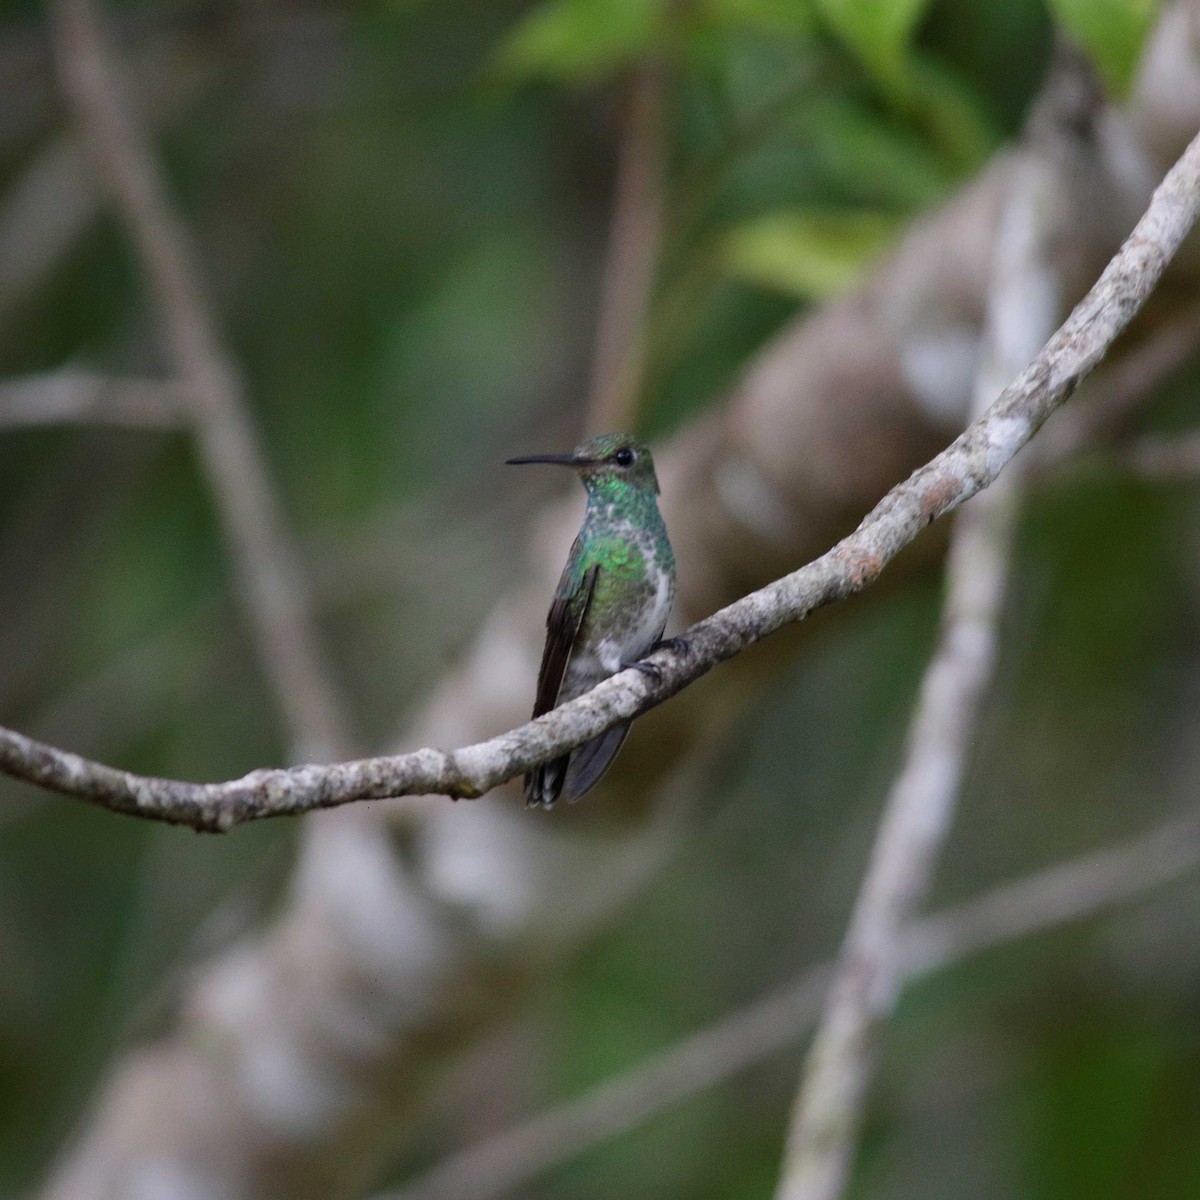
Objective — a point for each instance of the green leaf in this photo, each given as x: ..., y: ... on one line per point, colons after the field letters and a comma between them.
x: 779, y: 18
x: 812, y: 253
x: 872, y: 161
x: 1110, y: 31
x: 878, y: 31
x: 580, y: 40
x: 950, y: 112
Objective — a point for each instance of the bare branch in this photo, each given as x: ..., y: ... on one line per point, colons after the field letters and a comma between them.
x: 1038, y: 903
x: 68, y: 395
x: 1024, y: 305
x: 631, y: 258
x: 965, y: 467
x: 271, y: 581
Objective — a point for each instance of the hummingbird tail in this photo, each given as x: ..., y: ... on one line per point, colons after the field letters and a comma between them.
x: 590, y: 761
x: 572, y: 776
x: 543, y: 784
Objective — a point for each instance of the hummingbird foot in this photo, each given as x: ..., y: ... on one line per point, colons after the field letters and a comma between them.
x: 648, y: 669
x: 677, y: 645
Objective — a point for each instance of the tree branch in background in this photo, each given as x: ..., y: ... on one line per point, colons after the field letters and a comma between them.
x: 67, y: 396
x: 1039, y: 903
x: 1163, y: 457
x: 967, y: 466
x: 631, y: 258
x: 271, y: 583
x: 1024, y: 305
x: 49, y: 205
x: 42, y: 215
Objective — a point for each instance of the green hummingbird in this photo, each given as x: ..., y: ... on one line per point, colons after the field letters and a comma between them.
x: 611, y: 604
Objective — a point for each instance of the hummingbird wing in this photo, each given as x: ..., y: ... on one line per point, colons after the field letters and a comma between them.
x: 563, y: 623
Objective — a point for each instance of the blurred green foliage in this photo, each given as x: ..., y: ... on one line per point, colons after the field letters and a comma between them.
x: 1110, y: 31
x: 813, y: 255
x: 401, y: 210
x: 879, y: 31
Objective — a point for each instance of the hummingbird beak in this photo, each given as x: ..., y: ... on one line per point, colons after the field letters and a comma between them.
x: 563, y: 460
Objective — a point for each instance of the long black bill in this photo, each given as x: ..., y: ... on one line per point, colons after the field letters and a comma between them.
x: 563, y: 460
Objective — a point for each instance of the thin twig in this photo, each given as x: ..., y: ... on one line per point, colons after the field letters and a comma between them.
x: 271, y: 582
x: 1023, y: 306
x: 68, y: 395
x: 964, y: 468
x: 1046, y: 900
x: 631, y: 258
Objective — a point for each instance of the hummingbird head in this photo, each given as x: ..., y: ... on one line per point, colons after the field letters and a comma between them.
x: 609, y: 463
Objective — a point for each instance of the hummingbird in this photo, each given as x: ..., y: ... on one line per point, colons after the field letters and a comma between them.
x: 612, y: 602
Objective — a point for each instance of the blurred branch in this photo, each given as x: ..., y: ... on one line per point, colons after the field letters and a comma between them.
x: 1163, y: 456
x: 54, y: 198
x: 42, y: 214
x: 272, y: 584
x: 1038, y: 903
x: 69, y: 395
x: 967, y: 466
x: 631, y: 258
x: 1023, y: 307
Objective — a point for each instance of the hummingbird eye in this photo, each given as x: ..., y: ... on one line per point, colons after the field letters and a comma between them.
x: 624, y: 457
